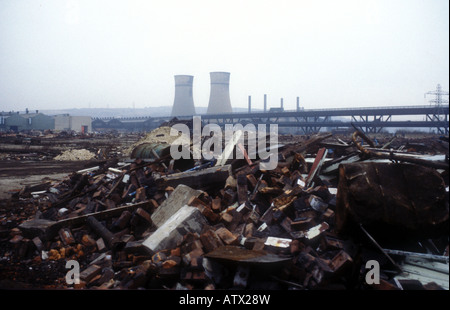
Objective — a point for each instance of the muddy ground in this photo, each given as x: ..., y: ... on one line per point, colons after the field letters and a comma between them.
x: 14, y: 175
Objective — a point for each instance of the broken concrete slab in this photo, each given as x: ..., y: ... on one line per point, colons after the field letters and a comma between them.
x: 179, y: 197
x: 168, y: 235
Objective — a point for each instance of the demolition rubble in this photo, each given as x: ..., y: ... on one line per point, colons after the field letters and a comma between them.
x: 348, y: 212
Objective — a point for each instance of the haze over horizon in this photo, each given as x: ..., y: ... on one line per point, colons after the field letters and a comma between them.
x: 122, y: 54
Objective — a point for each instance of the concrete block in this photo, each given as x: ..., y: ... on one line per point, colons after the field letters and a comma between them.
x: 168, y: 235
x: 179, y: 197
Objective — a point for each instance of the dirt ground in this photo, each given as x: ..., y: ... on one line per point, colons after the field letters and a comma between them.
x: 14, y: 175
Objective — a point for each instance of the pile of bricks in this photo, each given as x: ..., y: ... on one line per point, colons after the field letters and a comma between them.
x: 230, y: 227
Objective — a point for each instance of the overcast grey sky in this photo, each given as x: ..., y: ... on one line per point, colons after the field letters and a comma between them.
x: 330, y: 53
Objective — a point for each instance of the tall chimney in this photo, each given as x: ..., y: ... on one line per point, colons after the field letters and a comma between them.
x: 249, y: 104
x: 183, y: 103
x: 219, y: 97
x: 298, y: 104
x: 265, y: 102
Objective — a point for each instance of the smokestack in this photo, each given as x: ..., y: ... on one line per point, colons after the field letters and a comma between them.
x: 219, y: 97
x: 265, y: 103
x: 249, y: 104
x: 183, y: 103
x: 298, y: 104
x: 281, y: 103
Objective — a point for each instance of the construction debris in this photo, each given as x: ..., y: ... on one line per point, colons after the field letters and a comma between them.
x: 329, y: 209
x: 399, y: 200
x: 75, y: 155
x: 159, y: 136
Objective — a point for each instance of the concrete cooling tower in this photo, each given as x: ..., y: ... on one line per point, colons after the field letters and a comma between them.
x: 219, y: 97
x: 183, y: 103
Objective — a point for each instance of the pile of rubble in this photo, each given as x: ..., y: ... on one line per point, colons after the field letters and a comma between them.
x: 81, y: 154
x: 64, y: 146
x: 160, y: 135
x: 328, y: 211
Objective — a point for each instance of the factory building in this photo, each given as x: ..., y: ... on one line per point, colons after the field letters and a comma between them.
x: 82, y: 124
x: 14, y: 121
x: 28, y: 121
x: 39, y: 121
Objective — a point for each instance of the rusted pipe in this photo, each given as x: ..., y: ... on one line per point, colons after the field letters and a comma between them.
x: 358, y: 133
x: 111, y: 241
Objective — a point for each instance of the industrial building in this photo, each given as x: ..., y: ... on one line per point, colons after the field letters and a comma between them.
x: 16, y: 121
x: 13, y: 121
x: 67, y: 122
x: 130, y: 124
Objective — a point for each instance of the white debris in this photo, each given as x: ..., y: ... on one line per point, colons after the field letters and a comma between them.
x: 82, y: 154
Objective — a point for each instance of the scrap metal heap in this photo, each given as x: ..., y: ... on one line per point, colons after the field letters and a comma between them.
x: 328, y: 210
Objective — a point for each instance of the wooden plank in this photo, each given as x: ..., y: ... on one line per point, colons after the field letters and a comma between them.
x: 101, y: 215
x: 241, y: 147
x: 318, y: 161
x: 200, y: 179
x: 216, y: 204
x: 223, y: 158
x: 242, y: 188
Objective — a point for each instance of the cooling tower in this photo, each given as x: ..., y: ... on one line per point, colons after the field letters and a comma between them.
x: 183, y: 103
x: 219, y: 97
